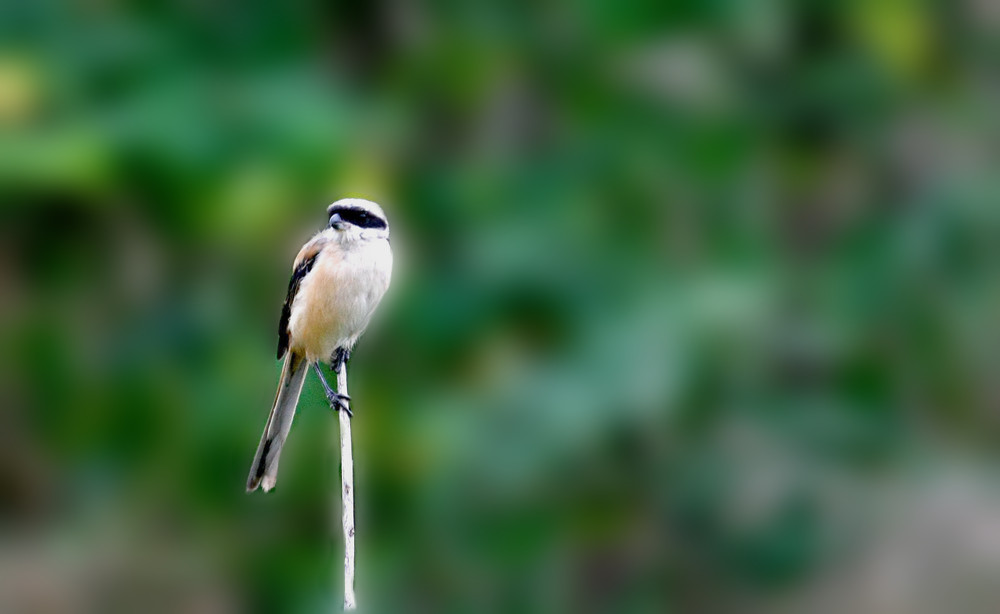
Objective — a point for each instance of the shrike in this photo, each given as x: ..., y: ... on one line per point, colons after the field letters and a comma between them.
x: 338, y: 279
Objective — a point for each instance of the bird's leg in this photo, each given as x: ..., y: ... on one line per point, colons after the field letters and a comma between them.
x: 339, y: 358
x: 337, y: 401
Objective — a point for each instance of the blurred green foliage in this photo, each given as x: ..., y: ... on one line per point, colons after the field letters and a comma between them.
x: 682, y: 290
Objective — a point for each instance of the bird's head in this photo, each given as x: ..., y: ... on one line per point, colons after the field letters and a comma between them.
x: 357, y: 217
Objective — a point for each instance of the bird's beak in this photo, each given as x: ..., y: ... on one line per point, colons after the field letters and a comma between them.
x: 336, y: 221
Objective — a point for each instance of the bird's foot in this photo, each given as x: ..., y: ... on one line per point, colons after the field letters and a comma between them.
x: 339, y: 358
x: 338, y: 402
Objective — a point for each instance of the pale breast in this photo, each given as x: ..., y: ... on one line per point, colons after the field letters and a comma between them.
x: 336, y: 299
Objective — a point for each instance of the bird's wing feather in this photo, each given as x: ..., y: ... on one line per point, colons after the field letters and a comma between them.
x: 303, y: 264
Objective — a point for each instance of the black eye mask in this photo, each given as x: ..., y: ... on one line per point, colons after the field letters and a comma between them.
x: 358, y: 217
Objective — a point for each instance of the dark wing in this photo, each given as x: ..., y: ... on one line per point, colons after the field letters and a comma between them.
x: 306, y: 262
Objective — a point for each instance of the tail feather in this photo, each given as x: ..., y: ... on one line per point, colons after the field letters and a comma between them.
x: 264, y: 471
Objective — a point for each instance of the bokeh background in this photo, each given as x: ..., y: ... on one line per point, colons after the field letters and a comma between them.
x: 695, y: 309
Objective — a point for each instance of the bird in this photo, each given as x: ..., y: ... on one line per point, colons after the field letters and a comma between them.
x: 338, y: 279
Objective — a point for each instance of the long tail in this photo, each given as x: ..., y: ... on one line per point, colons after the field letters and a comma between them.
x: 264, y: 472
